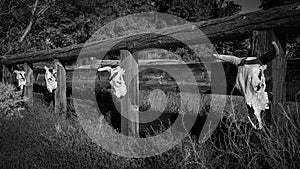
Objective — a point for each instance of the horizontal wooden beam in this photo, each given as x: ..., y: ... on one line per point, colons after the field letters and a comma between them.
x: 102, y: 63
x: 284, y: 18
x: 292, y: 79
x: 153, y: 76
x: 237, y: 105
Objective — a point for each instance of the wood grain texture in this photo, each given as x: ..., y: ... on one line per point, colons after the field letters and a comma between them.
x: 61, y: 90
x: 276, y: 70
x: 28, y: 90
x: 131, y: 99
x: 293, y: 80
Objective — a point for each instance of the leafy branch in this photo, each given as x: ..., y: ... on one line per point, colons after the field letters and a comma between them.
x: 36, y: 15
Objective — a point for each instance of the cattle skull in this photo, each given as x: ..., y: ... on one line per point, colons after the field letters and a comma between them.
x: 50, y: 79
x: 21, y: 78
x: 250, y: 81
x: 116, y: 80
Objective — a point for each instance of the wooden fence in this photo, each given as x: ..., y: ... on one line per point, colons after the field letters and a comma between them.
x: 262, y: 27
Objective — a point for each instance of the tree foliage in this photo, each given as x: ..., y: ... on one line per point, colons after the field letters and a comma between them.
x: 267, y: 4
x: 61, y: 23
x: 198, y: 10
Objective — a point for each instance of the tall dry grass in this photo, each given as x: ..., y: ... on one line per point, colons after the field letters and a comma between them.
x: 42, y: 139
x: 275, y: 146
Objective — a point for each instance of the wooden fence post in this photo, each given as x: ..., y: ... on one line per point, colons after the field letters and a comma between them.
x: 7, y: 74
x: 1, y: 71
x: 28, y: 91
x: 61, y: 90
x: 131, y: 99
x: 276, y: 70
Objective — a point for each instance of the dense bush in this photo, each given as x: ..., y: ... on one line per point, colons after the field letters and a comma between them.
x: 11, y: 100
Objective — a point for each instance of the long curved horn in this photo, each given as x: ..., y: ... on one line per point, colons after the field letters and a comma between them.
x: 269, y: 56
x: 228, y: 58
x: 107, y: 68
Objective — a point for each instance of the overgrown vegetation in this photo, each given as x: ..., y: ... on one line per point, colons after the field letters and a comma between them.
x: 42, y: 139
x: 276, y: 146
x: 11, y: 101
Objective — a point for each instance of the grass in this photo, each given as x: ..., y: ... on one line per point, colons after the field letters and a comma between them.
x: 41, y: 139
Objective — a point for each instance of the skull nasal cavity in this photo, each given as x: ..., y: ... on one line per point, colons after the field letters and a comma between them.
x: 258, y: 87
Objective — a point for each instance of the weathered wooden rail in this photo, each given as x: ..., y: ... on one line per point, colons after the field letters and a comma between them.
x: 262, y: 27
x: 149, y: 78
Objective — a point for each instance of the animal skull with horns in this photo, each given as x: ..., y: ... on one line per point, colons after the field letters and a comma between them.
x: 20, y: 75
x: 116, y: 80
x: 250, y: 81
x: 50, y: 79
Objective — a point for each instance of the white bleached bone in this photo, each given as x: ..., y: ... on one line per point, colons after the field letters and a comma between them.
x: 251, y: 81
x: 116, y: 80
x: 50, y: 79
x: 228, y: 58
x: 21, y: 78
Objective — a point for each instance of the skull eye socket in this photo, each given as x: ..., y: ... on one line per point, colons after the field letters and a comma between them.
x: 260, y: 84
x: 260, y: 75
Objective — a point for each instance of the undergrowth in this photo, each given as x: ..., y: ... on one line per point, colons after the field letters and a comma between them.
x: 11, y: 101
x: 42, y: 139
